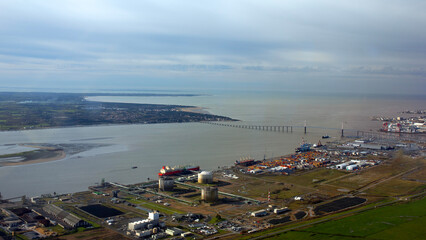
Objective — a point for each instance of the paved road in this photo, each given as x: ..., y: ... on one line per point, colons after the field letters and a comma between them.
x: 334, y: 217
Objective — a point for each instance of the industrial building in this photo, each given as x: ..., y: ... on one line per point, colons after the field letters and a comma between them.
x: 342, y: 165
x: 209, y: 194
x: 150, y: 222
x: 281, y: 210
x: 173, y: 231
x: 352, y: 167
x: 69, y: 218
x: 259, y: 213
x: 144, y: 233
x: 205, y: 177
x: 166, y: 184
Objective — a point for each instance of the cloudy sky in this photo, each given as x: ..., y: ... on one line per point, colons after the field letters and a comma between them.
x: 361, y: 46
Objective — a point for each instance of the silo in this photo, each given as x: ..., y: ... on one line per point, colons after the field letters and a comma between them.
x: 209, y: 194
x: 205, y: 177
x: 165, y: 184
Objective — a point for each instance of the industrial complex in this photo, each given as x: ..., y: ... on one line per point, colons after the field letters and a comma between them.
x: 317, y: 181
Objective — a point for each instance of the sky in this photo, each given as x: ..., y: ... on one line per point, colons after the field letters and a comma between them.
x: 325, y: 46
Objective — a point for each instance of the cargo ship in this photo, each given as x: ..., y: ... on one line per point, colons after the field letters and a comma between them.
x: 246, y: 162
x: 169, y: 171
x: 304, y: 147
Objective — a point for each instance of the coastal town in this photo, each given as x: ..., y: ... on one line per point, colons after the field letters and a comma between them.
x: 24, y: 111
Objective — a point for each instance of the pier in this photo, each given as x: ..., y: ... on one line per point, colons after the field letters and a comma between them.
x: 271, y: 128
x: 350, y: 133
x: 256, y: 127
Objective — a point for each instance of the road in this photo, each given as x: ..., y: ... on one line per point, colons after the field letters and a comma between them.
x: 335, y: 217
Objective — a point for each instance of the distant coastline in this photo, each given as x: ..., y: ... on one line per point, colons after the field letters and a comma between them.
x: 195, y: 110
x: 34, y: 110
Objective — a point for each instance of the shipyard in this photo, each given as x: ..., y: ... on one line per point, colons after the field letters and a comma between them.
x: 317, y: 181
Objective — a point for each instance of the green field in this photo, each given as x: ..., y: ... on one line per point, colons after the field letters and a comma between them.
x: 310, y: 178
x: 400, y: 221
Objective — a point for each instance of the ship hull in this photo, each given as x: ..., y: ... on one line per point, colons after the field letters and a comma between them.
x: 178, y: 171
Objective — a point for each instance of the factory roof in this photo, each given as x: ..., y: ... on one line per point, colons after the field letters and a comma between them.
x: 67, y: 217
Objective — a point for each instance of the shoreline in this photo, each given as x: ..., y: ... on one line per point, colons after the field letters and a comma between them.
x: 79, y: 126
x: 195, y: 110
x: 60, y: 154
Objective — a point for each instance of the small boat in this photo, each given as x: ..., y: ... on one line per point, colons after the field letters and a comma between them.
x: 134, y: 167
x: 325, y: 136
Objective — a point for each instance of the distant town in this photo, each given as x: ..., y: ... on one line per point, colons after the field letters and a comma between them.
x: 409, y: 124
x: 21, y: 111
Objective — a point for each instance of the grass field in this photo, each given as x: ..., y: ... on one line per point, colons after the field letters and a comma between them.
x: 395, y: 187
x: 391, y: 168
x: 155, y: 206
x: 419, y: 175
x: 310, y: 178
x: 280, y: 186
x: 100, y: 233
x: 400, y: 221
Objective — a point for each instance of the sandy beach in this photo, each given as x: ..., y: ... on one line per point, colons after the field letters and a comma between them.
x: 195, y: 110
x: 50, y: 154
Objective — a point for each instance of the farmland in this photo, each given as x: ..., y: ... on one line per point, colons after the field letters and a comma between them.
x: 390, y: 222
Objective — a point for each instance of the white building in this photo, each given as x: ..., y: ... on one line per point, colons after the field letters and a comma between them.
x: 352, y: 167
x: 173, y: 231
x: 281, y: 210
x: 143, y: 233
x: 342, y: 165
x: 153, y: 219
x: 259, y: 213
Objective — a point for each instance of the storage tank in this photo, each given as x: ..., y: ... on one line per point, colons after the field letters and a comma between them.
x: 205, y: 177
x: 166, y: 184
x: 209, y: 194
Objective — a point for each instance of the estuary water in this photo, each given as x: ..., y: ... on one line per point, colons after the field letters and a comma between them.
x: 150, y: 146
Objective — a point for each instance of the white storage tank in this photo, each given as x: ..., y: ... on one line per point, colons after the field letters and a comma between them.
x: 205, y: 177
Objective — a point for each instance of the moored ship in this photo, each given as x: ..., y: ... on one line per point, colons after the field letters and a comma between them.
x: 246, y: 162
x: 169, y: 171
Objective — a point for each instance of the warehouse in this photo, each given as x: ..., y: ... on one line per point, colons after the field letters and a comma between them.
x: 65, y: 216
x: 259, y: 213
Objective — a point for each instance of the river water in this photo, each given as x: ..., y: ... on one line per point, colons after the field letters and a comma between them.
x: 153, y: 145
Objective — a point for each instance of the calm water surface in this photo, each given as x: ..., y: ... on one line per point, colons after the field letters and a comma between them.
x: 151, y: 146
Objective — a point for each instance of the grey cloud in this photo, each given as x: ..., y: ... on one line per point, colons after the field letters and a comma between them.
x: 277, y: 39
